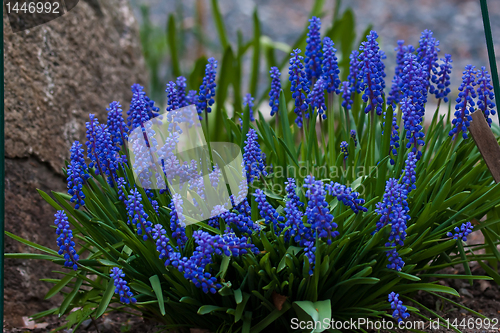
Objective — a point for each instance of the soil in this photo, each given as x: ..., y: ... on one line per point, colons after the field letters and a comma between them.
x: 482, y: 297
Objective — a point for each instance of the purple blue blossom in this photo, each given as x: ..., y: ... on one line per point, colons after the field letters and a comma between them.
x: 314, y: 55
x: 347, y: 196
x: 394, y: 211
x: 462, y: 232
x: 181, y: 91
x: 317, y: 98
x: 248, y: 101
x: 299, y: 87
x: 126, y: 296
x: 65, y: 240
x: 330, y: 67
x: 214, y: 176
x: 346, y: 92
x: 317, y: 211
x: 116, y: 124
x: 267, y: 211
x: 465, y: 102
x: 177, y: 224
x: 207, y: 88
x: 354, y: 71
x: 242, y: 222
x: 485, y: 94
x: 427, y: 53
x: 372, y: 73
x: 192, y: 97
x: 77, y: 175
x: 120, y: 183
x: 137, y: 216
x: 394, y: 96
x: 441, y: 78
x: 394, y: 140
x: 399, y: 309
x: 409, y: 177
x: 293, y: 215
x: 172, y: 97
x: 354, y: 138
x: 162, y: 243
x: 309, y: 252
x: 252, y: 157
x: 344, y: 149
x: 274, y: 93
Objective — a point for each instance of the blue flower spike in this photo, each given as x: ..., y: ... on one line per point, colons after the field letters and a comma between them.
x: 462, y: 232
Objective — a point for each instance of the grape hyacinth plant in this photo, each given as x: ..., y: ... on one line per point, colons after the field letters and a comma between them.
x: 321, y: 218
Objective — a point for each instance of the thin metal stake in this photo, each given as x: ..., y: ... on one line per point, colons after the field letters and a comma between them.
x: 491, y: 53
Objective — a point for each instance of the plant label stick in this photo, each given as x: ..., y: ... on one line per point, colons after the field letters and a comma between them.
x: 487, y: 144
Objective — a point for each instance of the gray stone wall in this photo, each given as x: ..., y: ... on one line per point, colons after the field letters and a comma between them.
x: 55, y: 75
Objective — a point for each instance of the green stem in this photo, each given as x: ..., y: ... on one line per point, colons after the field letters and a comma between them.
x: 491, y: 51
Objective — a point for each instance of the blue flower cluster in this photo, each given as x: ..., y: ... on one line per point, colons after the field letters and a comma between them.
x: 309, y: 252
x: 330, y: 67
x: 462, y: 232
x: 441, y: 78
x: 126, y: 296
x: 399, y: 309
x: 140, y: 109
x: 101, y: 150
x: 65, y: 240
x: 299, y: 87
x: 427, y: 53
x: 207, y: 89
x: 371, y: 76
x: 268, y: 212
x: 293, y: 214
x: 180, y: 82
x: 177, y: 224
x: 347, y: 196
x: 343, y: 149
x: 274, y: 93
x: 137, y: 216
x: 485, y: 94
x: 346, y: 92
x: 465, y: 103
x: 248, y: 101
x: 77, y: 175
x: 409, y: 177
x: 354, y: 138
x: 116, y: 125
x: 162, y: 243
x: 192, y: 97
x: 317, y: 98
x: 394, y: 210
x: 394, y: 96
x: 414, y: 90
x: 172, y: 97
x: 354, y: 72
x: 317, y: 211
x: 120, y: 184
x: 394, y: 140
x: 314, y: 55
x: 252, y: 157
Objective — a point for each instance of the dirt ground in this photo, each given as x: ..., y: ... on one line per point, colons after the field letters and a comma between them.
x: 482, y: 296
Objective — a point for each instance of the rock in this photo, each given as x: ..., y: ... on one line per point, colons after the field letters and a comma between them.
x: 86, y: 323
x: 55, y: 74
x: 465, y: 292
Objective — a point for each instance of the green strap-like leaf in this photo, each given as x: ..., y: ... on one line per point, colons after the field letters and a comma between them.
x: 106, y: 298
x: 155, y: 283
